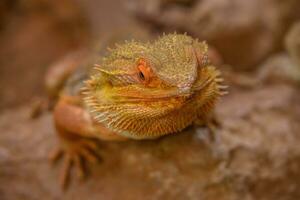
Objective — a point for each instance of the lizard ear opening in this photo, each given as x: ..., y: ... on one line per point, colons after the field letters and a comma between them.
x: 144, y: 71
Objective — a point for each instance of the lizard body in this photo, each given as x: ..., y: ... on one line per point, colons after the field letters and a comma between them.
x: 138, y: 91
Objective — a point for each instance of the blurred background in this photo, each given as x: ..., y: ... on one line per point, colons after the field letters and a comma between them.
x: 256, y: 154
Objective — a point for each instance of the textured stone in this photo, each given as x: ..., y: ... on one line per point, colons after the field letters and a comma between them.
x: 245, y: 32
x: 255, y: 155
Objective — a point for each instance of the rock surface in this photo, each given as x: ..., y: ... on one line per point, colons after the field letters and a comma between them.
x: 255, y: 155
x: 245, y: 32
x: 33, y: 33
x: 285, y: 65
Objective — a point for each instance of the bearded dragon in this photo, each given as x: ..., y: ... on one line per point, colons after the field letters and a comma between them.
x: 137, y: 91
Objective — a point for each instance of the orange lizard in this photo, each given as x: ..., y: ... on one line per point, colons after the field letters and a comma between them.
x: 137, y: 91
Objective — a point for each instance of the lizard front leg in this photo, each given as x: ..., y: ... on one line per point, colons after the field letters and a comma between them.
x: 77, y: 133
x: 206, y: 116
x: 210, y: 121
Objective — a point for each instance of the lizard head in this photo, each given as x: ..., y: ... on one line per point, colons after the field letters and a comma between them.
x: 146, y: 90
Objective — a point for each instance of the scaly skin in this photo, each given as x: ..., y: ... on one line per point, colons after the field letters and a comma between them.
x: 139, y: 91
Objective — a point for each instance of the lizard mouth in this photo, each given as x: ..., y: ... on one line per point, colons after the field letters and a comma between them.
x: 136, y: 94
x: 177, y: 96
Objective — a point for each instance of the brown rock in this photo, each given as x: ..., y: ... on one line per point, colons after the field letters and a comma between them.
x: 245, y: 32
x: 33, y: 34
x: 255, y: 155
x: 285, y: 65
x: 292, y: 43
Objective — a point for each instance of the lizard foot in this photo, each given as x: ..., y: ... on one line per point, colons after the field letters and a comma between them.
x: 212, y: 124
x: 75, y: 154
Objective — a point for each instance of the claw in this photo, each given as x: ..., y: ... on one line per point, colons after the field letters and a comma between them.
x: 65, y: 173
x: 79, y: 167
x: 92, y: 145
x: 55, y: 154
x: 74, y: 154
x: 89, y: 156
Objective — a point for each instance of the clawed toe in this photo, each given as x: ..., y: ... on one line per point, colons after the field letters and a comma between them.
x: 74, y: 156
x: 55, y: 154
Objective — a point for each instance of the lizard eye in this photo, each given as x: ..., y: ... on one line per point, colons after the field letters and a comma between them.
x: 143, y: 71
x: 141, y: 76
